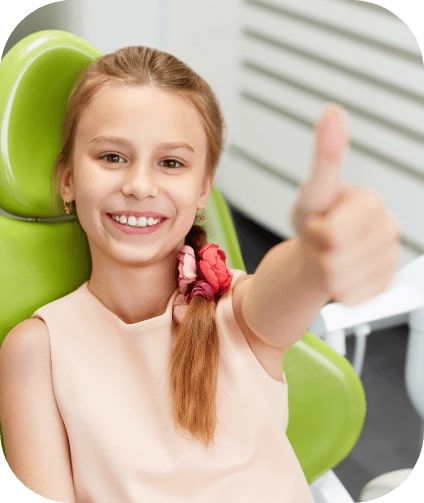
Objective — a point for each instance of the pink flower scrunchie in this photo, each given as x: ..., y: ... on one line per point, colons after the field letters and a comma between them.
x: 208, y: 277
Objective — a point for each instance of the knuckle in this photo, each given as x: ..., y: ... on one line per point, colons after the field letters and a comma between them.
x: 374, y: 203
x: 331, y: 234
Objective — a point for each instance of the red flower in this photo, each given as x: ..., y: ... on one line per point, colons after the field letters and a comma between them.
x: 213, y: 268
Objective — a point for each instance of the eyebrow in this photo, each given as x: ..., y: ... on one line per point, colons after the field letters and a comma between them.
x: 112, y: 139
x: 176, y: 145
x: 123, y: 141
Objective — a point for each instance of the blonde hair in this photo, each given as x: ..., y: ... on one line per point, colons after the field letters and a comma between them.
x: 194, y: 362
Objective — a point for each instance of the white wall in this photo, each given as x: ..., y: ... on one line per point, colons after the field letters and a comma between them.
x: 107, y: 25
x: 351, y: 52
x: 110, y: 25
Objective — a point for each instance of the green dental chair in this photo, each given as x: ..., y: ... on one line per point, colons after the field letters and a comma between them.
x: 44, y: 254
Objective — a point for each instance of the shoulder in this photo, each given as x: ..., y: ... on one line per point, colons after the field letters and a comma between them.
x: 25, y: 347
x: 29, y: 341
x: 32, y: 428
x: 74, y: 299
x: 27, y: 336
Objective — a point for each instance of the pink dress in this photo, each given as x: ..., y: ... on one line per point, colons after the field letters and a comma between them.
x: 110, y: 382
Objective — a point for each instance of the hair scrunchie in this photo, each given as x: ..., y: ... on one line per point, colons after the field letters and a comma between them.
x: 207, y: 275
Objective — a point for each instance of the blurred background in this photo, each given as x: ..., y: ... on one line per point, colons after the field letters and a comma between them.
x: 273, y: 65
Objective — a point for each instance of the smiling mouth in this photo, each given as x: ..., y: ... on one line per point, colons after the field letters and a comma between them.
x: 133, y: 221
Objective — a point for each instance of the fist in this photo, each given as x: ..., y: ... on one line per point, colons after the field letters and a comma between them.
x: 348, y: 239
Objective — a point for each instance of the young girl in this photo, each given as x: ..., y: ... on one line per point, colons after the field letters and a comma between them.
x: 160, y: 379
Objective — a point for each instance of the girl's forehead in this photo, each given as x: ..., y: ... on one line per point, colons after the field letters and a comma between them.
x: 140, y: 93
x: 144, y: 99
x: 131, y: 109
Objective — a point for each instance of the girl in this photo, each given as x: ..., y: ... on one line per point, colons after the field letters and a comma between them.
x: 160, y: 379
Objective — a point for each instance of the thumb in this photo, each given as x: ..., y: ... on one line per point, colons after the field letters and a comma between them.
x: 331, y: 139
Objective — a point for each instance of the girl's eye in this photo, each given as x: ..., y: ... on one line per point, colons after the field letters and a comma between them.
x: 170, y: 163
x: 113, y: 158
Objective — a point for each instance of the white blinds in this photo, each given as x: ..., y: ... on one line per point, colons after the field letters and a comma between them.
x: 294, y: 57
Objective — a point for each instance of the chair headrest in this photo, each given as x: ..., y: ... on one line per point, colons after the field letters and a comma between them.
x: 36, y: 77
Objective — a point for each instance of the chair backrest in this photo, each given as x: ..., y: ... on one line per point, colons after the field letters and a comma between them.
x: 44, y: 255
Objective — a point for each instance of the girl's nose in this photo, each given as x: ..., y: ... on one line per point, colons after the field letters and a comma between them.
x: 139, y: 182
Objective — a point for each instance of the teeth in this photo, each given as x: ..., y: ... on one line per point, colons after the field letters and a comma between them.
x: 133, y: 221
x: 142, y: 222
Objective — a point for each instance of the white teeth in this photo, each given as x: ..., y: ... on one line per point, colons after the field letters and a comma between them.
x: 133, y: 221
x: 142, y: 222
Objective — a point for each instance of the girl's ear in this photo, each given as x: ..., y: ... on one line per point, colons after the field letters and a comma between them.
x: 206, y: 190
x: 67, y: 185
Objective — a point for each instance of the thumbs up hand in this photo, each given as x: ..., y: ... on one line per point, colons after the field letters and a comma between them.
x: 348, y: 239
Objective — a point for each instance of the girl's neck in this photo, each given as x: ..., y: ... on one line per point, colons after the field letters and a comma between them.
x: 134, y: 294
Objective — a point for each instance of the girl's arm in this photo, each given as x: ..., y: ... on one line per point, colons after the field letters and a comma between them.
x: 34, y: 436
x: 345, y: 250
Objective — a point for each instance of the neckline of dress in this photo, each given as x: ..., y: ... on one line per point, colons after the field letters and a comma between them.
x: 167, y: 314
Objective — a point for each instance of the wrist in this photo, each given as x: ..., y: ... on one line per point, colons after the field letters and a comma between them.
x: 310, y: 270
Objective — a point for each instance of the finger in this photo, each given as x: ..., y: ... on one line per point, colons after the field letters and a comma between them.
x: 331, y: 140
x: 352, y: 269
x: 369, y: 282
x: 356, y: 216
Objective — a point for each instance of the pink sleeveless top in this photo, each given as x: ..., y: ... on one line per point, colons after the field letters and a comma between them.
x: 110, y: 382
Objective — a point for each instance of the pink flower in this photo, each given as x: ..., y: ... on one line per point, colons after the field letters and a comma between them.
x: 203, y: 289
x: 187, y: 268
x: 180, y: 307
x: 213, y: 268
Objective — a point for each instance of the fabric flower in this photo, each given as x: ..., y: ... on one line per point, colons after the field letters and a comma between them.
x: 213, y: 268
x: 180, y: 307
x: 204, y: 289
x: 207, y: 276
x: 187, y: 268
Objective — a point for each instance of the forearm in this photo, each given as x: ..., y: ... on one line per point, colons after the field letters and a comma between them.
x: 283, y: 296
x: 346, y: 248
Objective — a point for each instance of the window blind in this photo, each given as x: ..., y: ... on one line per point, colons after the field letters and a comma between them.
x: 296, y: 56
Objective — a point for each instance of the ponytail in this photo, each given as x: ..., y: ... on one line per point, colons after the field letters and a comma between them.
x: 194, y: 364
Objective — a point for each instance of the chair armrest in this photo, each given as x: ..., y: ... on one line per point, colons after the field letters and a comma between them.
x: 329, y: 489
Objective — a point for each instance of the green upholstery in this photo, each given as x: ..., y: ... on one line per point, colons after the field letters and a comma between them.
x: 41, y: 260
x: 326, y: 405
x: 36, y: 77
x: 220, y: 229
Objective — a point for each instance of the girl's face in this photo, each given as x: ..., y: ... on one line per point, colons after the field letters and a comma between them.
x: 138, y: 172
